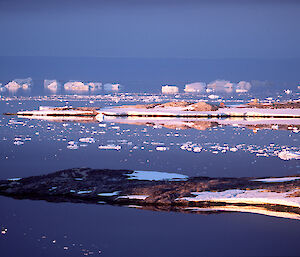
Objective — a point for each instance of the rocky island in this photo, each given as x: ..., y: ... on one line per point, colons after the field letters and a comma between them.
x: 162, y: 191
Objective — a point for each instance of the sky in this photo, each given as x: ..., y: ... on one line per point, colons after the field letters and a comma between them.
x: 151, y: 29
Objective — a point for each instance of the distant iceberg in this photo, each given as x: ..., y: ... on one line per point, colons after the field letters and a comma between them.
x: 195, y: 87
x: 112, y: 87
x: 94, y: 85
x: 243, y: 87
x: 76, y: 86
x: 19, y: 83
x: 169, y: 89
x: 221, y: 85
x: 52, y: 85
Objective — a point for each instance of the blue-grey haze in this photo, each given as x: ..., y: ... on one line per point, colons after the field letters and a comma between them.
x: 188, y: 29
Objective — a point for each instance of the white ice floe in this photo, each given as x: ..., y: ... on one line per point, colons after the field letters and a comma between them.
x: 89, y: 140
x: 18, y: 143
x: 259, y: 196
x: 136, y: 197
x: 84, y: 192
x: 110, y: 147
x: 162, y: 148
x: 109, y: 194
x: 59, y: 111
x: 274, y: 180
x: 288, y: 155
x: 213, y: 96
x: 155, y: 175
x: 72, y: 146
x: 14, y: 179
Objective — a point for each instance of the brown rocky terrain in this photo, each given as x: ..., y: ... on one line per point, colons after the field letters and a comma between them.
x: 290, y: 105
x: 91, y: 185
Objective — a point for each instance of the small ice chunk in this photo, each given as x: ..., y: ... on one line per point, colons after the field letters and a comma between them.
x: 161, y: 148
x: 109, y: 194
x: 73, y: 146
x: 137, y: 197
x: 84, y: 192
x: 14, y: 179
x: 18, y: 143
x: 89, y: 140
x: 110, y: 147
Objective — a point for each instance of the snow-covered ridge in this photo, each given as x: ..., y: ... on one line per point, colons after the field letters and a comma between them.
x: 59, y: 111
x: 234, y: 196
x: 185, y: 112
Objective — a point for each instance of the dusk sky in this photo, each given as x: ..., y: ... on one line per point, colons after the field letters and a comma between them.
x: 189, y: 29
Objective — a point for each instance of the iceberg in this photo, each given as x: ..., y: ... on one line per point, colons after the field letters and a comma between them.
x: 19, y: 83
x: 243, y: 87
x: 195, y: 87
x: 221, y: 85
x: 76, y: 86
x: 169, y: 89
x: 112, y: 87
x: 52, y: 85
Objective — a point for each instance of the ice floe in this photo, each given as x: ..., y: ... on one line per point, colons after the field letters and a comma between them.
x: 259, y: 196
x: 155, y: 175
x: 109, y: 194
x: 275, y: 180
x: 110, y: 147
x: 136, y: 197
x: 89, y: 140
x: 288, y: 155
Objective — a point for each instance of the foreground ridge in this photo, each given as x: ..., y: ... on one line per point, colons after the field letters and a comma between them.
x: 162, y: 191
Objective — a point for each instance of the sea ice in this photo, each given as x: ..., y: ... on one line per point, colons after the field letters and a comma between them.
x: 89, y: 140
x: 155, y: 175
x: 275, y: 180
x: 110, y: 147
x: 288, y: 155
x: 109, y: 194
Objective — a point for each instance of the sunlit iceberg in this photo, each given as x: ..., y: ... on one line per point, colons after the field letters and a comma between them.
x: 169, y: 89
x: 112, y: 87
x: 221, y: 85
x: 52, y: 85
x: 195, y: 87
x: 76, y: 86
x: 19, y: 83
x: 243, y: 86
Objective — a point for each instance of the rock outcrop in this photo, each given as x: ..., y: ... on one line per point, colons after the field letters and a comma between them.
x: 125, y: 187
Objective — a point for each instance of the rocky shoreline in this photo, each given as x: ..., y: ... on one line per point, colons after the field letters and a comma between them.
x: 161, y: 191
